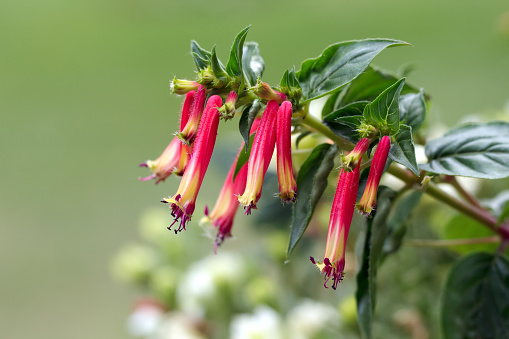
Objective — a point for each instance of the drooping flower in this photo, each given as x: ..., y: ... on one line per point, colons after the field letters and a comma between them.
x: 287, y: 184
x: 226, y: 206
x: 264, y: 91
x: 188, y: 133
x: 183, y: 202
x: 343, y: 207
x: 173, y: 159
x: 368, y: 201
x: 259, y: 159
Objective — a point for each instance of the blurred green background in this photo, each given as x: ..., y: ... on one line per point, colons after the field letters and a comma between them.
x: 84, y: 99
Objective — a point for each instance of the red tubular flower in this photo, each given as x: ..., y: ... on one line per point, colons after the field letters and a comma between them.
x: 264, y: 91
x: 227, y: 203
x: 259, y: 159
x: 287, y: 185
x: 333, y: 264
x: 183, y: 202
x: 368, y: 200
x: 173, y: 159
x: 188, y: 133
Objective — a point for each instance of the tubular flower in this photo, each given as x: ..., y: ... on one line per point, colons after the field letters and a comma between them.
x: 287, y: 185
x: 333, y: 264
x: 352, y: 159
x: 185, y: 150
x: 187, y: 134
x: 179, y: 86
x: 227, y: 204
x: 172, y: 160
x: 259, y: 159
x: 368, y: 200
x: 183, y: 202
x: 264, y: 91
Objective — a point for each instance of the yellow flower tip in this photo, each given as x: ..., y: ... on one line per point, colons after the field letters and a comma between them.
x: 287, y: 196
x: 365, y: 210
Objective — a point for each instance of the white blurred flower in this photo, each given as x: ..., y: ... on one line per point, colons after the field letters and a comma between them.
x: 145, y: 319
x: 308, y: 318
x: 178, y: 326
x: 200, y: 282
x: 264, y: 323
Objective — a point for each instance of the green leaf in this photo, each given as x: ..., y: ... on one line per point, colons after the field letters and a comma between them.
x: 369, y: 258
x: 246, y: 120
x: 234, y: 65
x: 344, y: 121
x: 332, y: 103
x: 338, y: 65
x: 504, y: 215
x: 463, y: 227
x: 402, y: 149
x: 383, y: 112
x: 217, y: 67
x: 252, y: 63
x: 397, y: 224
x: 412, y: 109
x: 243, y: 156
x: 476, y: 298
x: 201, y: 56
x: 479, y: 150
x: 311, y: 183
x: 369, y: 85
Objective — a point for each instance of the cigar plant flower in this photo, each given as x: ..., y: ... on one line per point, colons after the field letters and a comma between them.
x: 287, y: 184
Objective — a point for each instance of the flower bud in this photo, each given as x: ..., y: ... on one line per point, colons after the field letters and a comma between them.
x: 227, y: 111
x: 287, y: 184
x: 180, y: 86
x: 368, y: 200
x: 264, y: 91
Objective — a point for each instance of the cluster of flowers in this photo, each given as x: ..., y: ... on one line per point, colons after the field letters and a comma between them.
x: 189, y: 153
x: 344, y: 205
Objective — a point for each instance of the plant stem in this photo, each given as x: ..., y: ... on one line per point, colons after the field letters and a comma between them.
x: 452, y: 242
x: 474, y: 212
x: 312, y: 122
x: 469, y: 197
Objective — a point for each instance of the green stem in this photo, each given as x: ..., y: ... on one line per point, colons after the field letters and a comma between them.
x: 452, y: 242
x: 315, y: 124
x: 474, y: 212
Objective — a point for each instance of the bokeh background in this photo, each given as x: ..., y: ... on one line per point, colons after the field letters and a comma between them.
x: 84, y: 99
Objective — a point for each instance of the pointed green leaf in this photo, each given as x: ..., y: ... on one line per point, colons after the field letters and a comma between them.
x: 369, y: 85
x: 201, y: 56
x: 475, y: 301
x: 369, y: 257
x: 234, y: 65
x: 252, y: 63
x: 383, y: 112
x: 479, y: 150
x: 338, y: 65
x: 300, y: 137
x: 217, y: 67
x: 311, y: 183
x: 412, y: 109
x: 247, y: 118
x: 402, y: 149
x: 243, y: 156
x: 345, y: 121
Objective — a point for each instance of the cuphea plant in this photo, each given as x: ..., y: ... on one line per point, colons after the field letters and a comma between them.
x: 368, y: 124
